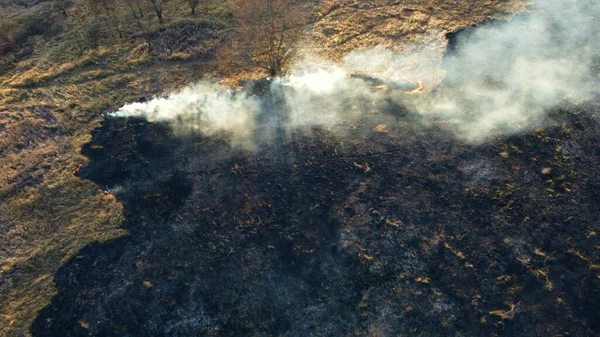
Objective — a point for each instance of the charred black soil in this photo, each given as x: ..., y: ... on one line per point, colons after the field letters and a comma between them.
x: 405, y: 231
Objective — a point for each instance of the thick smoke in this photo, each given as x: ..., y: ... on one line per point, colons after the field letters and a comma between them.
x: 325, y: 96
x: 500, y: 79
x: 505, y: 76
x: 206, y: 107
x: 419, y: 60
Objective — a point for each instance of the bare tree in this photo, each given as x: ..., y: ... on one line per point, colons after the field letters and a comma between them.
x: 193, y: 4
x: 138, y: 6
x: 62, y: 6
x: 269, y: 31
x: 86, y: 25
x: 158, y: 6
x: 109, y: 7
x: 135, y: 8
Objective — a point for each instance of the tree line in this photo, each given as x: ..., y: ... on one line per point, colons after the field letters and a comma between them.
x: 263, y: 33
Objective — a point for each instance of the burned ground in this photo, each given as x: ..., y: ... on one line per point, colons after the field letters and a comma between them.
x: 390, y: 230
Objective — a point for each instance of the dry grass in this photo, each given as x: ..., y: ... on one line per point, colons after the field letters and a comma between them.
x: 406, y: 26
x: 48, y: 71
x: 343, y: 26
x: 46, y: 225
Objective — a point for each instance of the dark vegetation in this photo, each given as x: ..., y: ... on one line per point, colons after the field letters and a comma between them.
x: 404, y: 231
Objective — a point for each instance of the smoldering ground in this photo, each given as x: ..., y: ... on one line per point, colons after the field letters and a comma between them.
x: 501, y: 80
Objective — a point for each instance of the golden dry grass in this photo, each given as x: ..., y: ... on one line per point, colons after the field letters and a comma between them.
x: 344, y: 26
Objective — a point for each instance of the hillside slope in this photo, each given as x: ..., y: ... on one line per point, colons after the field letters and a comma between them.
x: 54, y: 88
x: 400, y: 232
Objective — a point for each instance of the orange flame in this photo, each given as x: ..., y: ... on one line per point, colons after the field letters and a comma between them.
x: 420, y: 87
x: 77, y: 169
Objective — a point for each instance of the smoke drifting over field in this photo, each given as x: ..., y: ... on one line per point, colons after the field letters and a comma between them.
x: 504, y: 76
x: 500, y: 80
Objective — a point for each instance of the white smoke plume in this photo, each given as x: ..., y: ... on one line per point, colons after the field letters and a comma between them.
x: 419, y: 60
x: 505, y: 76
x: 324, y: 96
x: 501, y: 80
x: 207, y: 107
